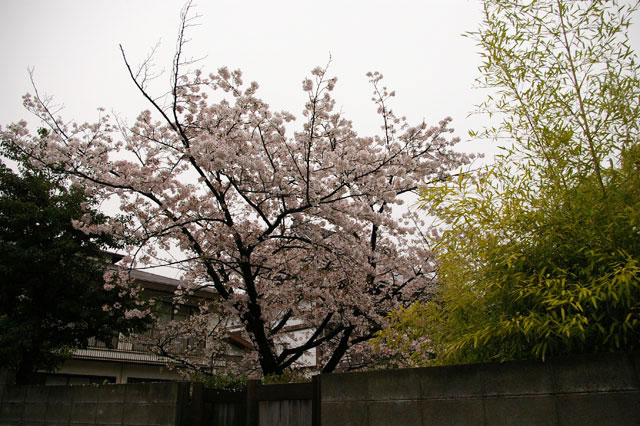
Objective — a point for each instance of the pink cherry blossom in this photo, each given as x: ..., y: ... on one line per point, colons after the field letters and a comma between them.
x: 288, y: 226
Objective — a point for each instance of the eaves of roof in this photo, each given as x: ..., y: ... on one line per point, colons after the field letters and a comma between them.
x: 164, y: 284
x: 236, y: 340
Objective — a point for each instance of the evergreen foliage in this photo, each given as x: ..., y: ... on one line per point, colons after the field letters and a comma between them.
x: 52, y: 290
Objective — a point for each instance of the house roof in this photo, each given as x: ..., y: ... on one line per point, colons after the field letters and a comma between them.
x: 166, y: 284
x: 148, y: 277
x: 157, y: 282
x: 236, y: 339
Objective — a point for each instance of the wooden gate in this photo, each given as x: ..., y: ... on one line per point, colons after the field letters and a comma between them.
x: 224, y: 407
x: 292, y: 404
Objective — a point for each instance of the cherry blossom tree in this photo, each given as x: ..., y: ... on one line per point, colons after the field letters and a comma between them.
x: 302, y: 227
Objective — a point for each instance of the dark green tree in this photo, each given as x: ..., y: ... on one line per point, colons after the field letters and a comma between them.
x: 52, y: 288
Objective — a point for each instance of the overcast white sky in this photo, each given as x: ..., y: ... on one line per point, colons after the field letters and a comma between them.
x: 73, y: 46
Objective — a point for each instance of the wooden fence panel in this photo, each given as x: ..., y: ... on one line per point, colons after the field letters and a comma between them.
x: 224, y: 414
x: 291, y: 412
x: 224, y: 408
x: 285, y: 405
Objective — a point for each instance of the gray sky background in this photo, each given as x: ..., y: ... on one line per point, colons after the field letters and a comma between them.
x: 73, y: 47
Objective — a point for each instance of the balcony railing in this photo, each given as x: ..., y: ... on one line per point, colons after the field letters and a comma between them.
x: 135, y: 343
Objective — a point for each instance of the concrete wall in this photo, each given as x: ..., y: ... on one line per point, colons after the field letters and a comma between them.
x: 132, y: 404
x: 594, y: 390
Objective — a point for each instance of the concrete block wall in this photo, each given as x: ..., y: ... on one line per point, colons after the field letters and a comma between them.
x: 594, y: 390
x: 133, y: 404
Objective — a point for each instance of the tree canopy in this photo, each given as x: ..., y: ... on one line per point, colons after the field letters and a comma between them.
x: 292, y: 229
x: 540, y: 252
x: 53, y: 296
